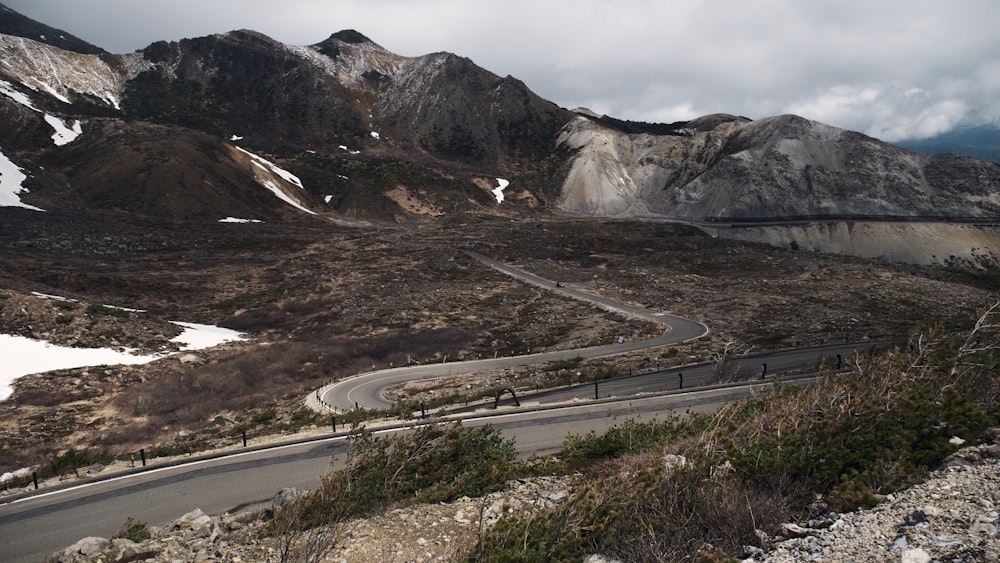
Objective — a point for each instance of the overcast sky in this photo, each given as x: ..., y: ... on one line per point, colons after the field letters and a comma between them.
x: 894, y: 69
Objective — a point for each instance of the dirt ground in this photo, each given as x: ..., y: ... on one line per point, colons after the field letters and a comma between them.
x: 319, y: 302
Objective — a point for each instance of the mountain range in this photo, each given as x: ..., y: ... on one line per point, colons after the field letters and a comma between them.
x: 979, y: 141
x: 237, y: 126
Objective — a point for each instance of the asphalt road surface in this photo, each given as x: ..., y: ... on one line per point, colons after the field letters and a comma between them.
x: 37, y: 526
x: 366, y: 390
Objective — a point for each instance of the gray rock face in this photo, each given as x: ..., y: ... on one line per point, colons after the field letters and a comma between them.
x: 949, y: 517
x: 786, y: 168
x: 783, y: 166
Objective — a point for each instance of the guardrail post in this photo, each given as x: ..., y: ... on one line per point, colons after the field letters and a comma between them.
x: 680, y: 380
x: 142, y: 454
x: 244, y: 438
x: 34, y: 479
x: 333, y: 423
x: 596, y: 396
x: 840, y: 361
x: 423, y: 413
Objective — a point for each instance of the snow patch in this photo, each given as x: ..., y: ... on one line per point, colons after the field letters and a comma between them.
x: 17, y: 474
x: 199, y: 337
x: 273, y: 168
x: 285, y: 175
x: 375, y: 135
x: 236, y: 220
x: 52, y: 92
x: 348, y: 151
x: 111, y: 99
x: 285, y: 197
x: 236, y: 138
x: 7, y: 89
x: 59, y: 72
x: 11, y: 178
x: 64, y: 134
x: 328, y: 198
x: 498, y: 192
x: 24, y: 356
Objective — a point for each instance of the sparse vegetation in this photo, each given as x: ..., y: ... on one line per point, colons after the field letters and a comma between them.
x: 71, y: 460
x: 700, y: 489
x: 109, y: 311
x: 324, y: 303
x: 134, y: 530
x: 433, y: 463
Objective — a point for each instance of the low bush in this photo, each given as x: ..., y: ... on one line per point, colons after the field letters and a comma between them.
x: 630, y: 437
x: 73, y: 459
x: 433, y: 463
x: 133, y: 530
x: 708, y: 485
x: 95, y: 309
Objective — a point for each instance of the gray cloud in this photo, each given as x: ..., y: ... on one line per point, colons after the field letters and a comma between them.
x: 892, y: 68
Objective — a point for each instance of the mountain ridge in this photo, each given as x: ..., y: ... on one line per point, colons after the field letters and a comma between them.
x: 398, y: 139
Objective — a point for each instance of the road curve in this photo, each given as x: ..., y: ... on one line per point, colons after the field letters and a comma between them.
x: 366, y: 390
x: 35, y: 526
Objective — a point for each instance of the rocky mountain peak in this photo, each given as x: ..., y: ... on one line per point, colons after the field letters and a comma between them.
x: 352, y: 40
x: 351, y: 36
x: 13, y: 23
x: 446, y: 125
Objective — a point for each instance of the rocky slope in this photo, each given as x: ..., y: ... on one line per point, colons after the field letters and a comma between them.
x: 951, y: 516
x: 360, y: 124
x: 817, y: 187
x: 427, y: 532
x: 777, y: 167
x: 378, y: 136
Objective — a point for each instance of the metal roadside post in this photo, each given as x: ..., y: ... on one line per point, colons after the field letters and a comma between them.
x: 680, y: 380
x: 142, y: 454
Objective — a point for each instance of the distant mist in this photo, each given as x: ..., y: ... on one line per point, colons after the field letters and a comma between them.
x: 982, y: 142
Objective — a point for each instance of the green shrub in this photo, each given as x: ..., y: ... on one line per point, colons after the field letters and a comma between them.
x: 64, y: 305
x: 95, y: 309
x: 133, y: 530
x: 852, y: 437
x: 637, y: 509
x: 433, y: 463
x: 302, y: 417
x: 264, y: 416
x: 630, y: 437
x: 74, y: 459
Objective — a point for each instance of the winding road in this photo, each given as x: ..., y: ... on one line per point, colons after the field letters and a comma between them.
x: 367, y: 390
x: 35, y: 525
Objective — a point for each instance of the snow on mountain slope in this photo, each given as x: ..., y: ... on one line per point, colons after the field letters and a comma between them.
x: 64, y: 134
x: 11, y: 177
x: 400, y: 81
x: 63, y: 74
x: 268, y: 174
